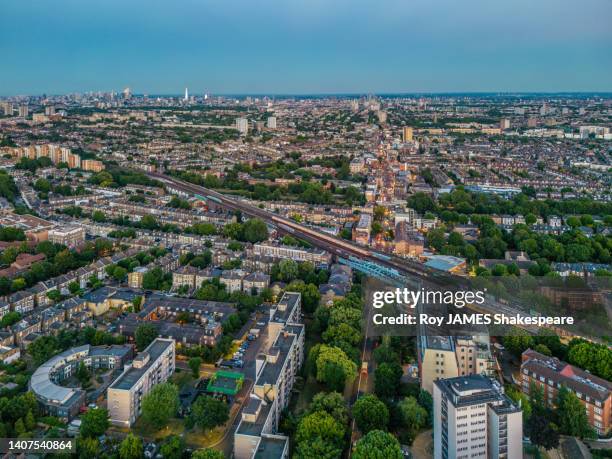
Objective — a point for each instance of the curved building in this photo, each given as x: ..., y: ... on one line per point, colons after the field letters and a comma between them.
x: 65, y: 402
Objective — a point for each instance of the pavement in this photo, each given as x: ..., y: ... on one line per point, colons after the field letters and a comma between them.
x: 422, y: 447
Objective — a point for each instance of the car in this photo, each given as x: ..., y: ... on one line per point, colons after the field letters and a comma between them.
x: 150, y: 450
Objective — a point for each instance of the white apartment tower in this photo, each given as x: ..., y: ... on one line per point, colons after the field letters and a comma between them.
x: 242, y: 124
x: 474, y: 418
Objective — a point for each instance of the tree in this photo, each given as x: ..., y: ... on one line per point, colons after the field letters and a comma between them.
x: 87, y: 447
x: 160, y: 404
x: 334, y: 368
x: 94, y: 422
x: 332, y: 403
x: 317, y: 448
x: 206, y: 453
x: 43, y: 348
x: 98, y: 216
x: 42, y: 185
x: 208, y: 413
x: 194, y: 364
x: 173, y: 447
x: 153, y: 279
x: 287, y: 270
x: 131, y: 447
x: 10, y: 318
x: 370, y: 413
x: 378, y: 445
x: 144, y: 335
x: 74, y: 287
x: 542, y: 432
x: 385, y: 354
x: 414, y: 416
x: 387, y: 378
x: 254, y: 230
x: 341, y: 313
x: 321, y: 429
x: 310, y: 294
x: 119, y: 273
x: 542, y: 349
x: 149, y: 222
x: 518, y: 341
x: 82, y: 373
x: 572, y: 415
x: 29, y: 421
x: 19, y: 428
x: 421, y: 202
x: 573, y: 222
x: 342, y: 333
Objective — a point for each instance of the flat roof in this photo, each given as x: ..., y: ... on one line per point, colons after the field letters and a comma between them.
x: 271, y: 447
x: 130, y: 377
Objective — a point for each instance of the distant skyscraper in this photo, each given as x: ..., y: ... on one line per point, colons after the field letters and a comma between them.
x: 23, y: 111
x: 504, y: 124
x: 407, y: 134
x: 242, y: 124
x: 186, y: 94
x: 272, y: 122
x: 49, y: 110
x: 127, y: 93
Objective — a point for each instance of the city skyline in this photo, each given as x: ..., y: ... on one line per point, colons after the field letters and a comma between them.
x: 299, y: 48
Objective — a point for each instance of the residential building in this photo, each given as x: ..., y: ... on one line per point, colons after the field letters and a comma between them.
x: 69, y: 235
x: 257, y: 432
x: 550, y: 374
x: 152, y: 366
x: 361, y: 231
x: 65, y: 402
x: 474, y: 418
x: 407, y: 134
x: 242, y: 124
x: 442, y: 357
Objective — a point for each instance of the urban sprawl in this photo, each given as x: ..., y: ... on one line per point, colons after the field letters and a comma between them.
x: 185, y: 276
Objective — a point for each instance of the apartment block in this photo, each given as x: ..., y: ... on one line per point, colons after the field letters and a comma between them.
x: 152, y: 366
x: 550, y: 374
x: 361, y: 231
x: 69, y: 235
x: 279, y: 251
x: 474, y: 418
x: 441, y: 357
x: 257, y: 433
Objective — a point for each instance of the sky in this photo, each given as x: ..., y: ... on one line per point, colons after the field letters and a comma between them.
x: 305, y: 46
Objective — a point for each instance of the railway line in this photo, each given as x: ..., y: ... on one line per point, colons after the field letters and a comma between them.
x: 427, y: 277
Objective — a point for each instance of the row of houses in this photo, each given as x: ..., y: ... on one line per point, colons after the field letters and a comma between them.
x: 27, y: 300
x: 235, y: 280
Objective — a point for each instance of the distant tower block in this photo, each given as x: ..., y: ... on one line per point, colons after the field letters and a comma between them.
x: 407, y: 134
x: 272, y: 122
x: 186, y: 94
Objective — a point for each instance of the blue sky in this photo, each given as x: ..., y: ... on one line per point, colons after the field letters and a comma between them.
x: 304, y: 46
